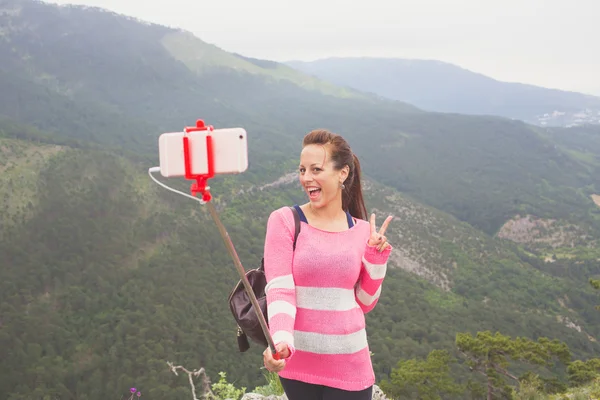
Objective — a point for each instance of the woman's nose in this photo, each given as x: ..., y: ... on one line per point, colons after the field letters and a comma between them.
x: 306, y: 177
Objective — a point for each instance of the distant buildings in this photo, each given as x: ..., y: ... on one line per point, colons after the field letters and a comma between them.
x: 568, y: 119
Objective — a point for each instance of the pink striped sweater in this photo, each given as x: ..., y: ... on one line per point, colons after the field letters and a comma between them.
x: 317, y: 297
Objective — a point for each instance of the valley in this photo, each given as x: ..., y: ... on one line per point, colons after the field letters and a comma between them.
x: 105, y: 276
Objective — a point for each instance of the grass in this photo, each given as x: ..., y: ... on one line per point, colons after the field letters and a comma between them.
x: 200, y: 56
x: 273, y: 386
x: 579, y: 253
x: 20, y: 164
x: 588, y: 392
x: 588, y: 158
x: 445, y: 300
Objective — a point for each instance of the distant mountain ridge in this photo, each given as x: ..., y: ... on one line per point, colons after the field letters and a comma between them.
x: 440, y: 86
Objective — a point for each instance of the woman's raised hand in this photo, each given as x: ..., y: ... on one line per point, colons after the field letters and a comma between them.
x: 378, y: 238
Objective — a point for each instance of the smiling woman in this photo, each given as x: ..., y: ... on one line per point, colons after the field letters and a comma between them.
x: 327, y: 164
x: 318, y: 295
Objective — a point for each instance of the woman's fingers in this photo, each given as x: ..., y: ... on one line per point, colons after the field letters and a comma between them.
x: 383, y: 244
x: 372, y: 223
x: 271, y: 364
x: 378, y: 238
x: 385, y: 225
x: 282, y: 350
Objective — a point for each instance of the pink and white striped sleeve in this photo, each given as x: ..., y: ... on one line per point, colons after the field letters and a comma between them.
x: 374, y: 267
x: 280, y: 289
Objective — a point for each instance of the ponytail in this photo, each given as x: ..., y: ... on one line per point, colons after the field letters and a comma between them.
x: 352, y: 198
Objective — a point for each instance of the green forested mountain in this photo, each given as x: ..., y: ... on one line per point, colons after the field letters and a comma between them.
x: 146, y: 79
x: 105, y: 276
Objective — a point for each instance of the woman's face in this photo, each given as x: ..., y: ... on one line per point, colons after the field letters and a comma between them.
x: 318, y: 177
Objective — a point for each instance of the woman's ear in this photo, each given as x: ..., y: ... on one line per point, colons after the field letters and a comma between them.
x: 344, y: 173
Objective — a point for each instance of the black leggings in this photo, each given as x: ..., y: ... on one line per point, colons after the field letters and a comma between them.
x: 296, y: 390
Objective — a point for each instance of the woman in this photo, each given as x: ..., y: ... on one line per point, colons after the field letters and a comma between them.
x: 318, y: 294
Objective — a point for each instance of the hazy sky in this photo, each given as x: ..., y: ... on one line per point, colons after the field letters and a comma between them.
x: 551, y: 43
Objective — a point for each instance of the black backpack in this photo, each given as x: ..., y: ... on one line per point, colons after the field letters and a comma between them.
x: 242, y: 308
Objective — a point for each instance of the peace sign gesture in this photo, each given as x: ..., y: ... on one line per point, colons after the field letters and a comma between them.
x: 378, y: 238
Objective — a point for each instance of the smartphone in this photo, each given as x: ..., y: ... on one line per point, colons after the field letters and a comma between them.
x: 230, y: 147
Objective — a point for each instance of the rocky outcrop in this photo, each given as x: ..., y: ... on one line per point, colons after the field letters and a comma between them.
x: 254, y: 396
x: 377, y: 395
x: 539, y: 233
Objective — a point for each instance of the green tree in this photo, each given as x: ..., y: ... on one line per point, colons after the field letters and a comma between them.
x: 582, y: 372
x: 490, y: 355
x: 596, y: 285
x: 225, y: 390
x: 425, y: 379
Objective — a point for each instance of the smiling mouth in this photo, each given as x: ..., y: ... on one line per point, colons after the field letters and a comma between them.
x: 314, y: 193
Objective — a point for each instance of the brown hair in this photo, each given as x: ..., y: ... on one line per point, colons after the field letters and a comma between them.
x: 341, y: 154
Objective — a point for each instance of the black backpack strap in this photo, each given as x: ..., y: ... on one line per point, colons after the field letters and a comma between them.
x: 296, y: 233
x: 297, y: 225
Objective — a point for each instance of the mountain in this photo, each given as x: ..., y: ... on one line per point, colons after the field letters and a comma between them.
x: 443, y: 87
x: 105, y: 276
x: 141, y: 83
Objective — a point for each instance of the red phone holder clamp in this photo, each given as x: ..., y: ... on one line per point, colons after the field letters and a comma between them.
x: 201, y: 179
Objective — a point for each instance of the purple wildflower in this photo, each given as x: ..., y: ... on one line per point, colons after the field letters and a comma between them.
x: 139, y: 394
x: 132, y: 390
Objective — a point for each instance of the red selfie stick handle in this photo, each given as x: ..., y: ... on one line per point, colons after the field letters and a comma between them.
x: 201, y: 179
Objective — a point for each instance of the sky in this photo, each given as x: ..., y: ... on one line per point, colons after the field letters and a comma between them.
x: 550, y: 43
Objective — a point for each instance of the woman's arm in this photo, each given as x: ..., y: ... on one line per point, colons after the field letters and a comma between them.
x: 280, y: 289
x: 373, y: 270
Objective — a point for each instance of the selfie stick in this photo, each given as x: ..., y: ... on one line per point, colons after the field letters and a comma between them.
x: 200, y: 187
